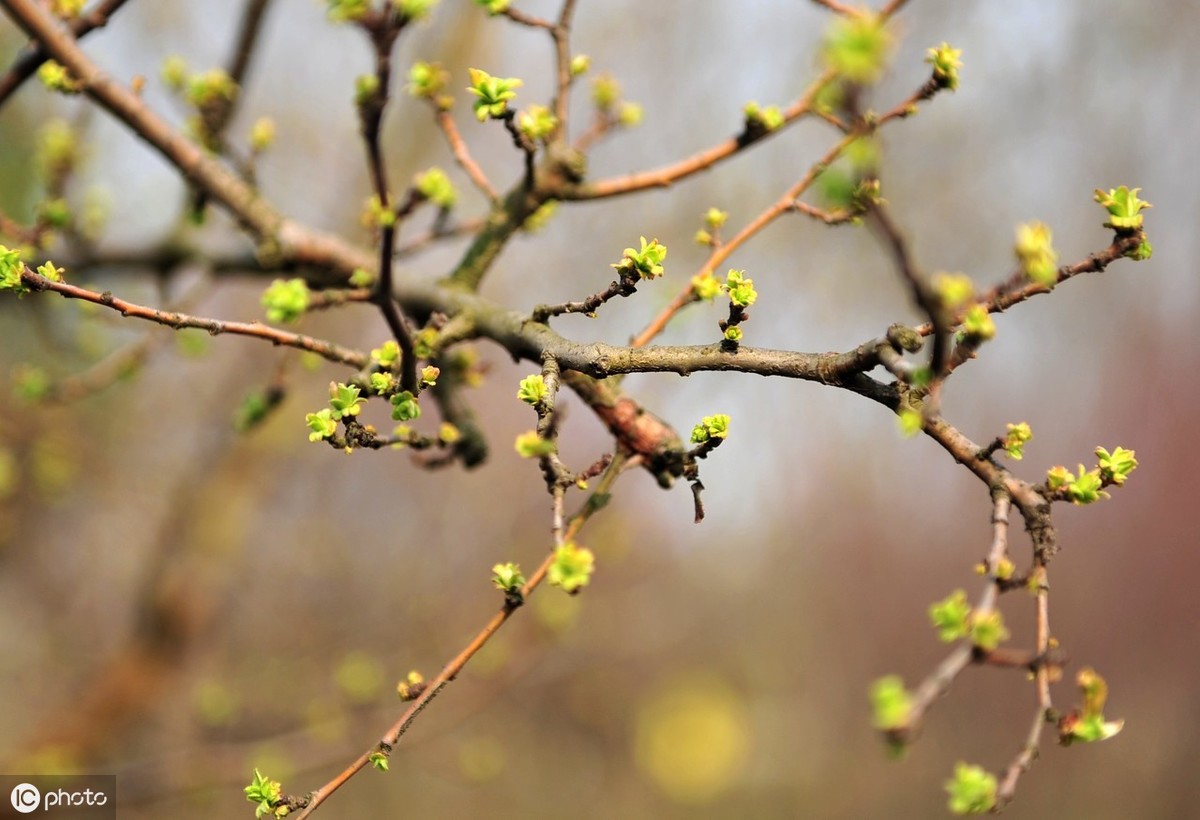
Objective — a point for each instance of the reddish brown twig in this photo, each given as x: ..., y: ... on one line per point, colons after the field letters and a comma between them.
x: 451, y: 670
x: 662, y: 177
x: 326, y: 350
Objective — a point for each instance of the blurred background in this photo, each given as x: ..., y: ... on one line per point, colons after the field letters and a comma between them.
x: 180, y: 603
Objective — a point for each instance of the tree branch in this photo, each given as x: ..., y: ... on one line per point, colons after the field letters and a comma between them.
x: 29, y: 60
x: 326, y: 350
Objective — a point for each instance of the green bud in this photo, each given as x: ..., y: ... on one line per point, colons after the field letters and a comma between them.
x: 49, y: 271
x: 857, y: 47
x: 54, y: 212
x: 1142, y: 252
x: 977, y: 324
x: 264, y: 792
x: 347, y: 11
x: 11, y: 267
x: 361, y: 278
x: 605, y: 92
x: 530, y: 445
x: 762, y: 119
x: 412, y: 686
x: 387, y: 354
x: 1038, y: 258
x: 174, y: 72
x: 646, y: 262
x: 910, y: 421
x: 58, y: 149
x: 507, y: 577
x: 1088, y: 725
x: 435, y: 186
x: 1124, y: 208
x: 376, y: 216
x: 891, y: 704
x: 405, y: 407
x: 210, y: 87
x: 285, y: 300
x: 1057, y: 477
x: 321, y: 423
x: 537, y: 122
x: 493, y: 7
x: 424, y: 342
x: 383, y: 383
x: 365, y: 87
x: 946, y: 63
x: 711, y: 427
x: 492, y: 93
x: 67, y: 9
x: 580, y: 64
x: 972, y: 790
x: 1014, y: 442
x: 1085, y: 487
x: 414, y: 9
x: 1115, y: 467
x: 715, y: 218
x: 987, y: 630
x: 262, y: 134
x: 533, y: 390
x: 56, y: 77
x: 740, y: 288
x: 630, y: 114
x: 344, y: 400
x: 953, y: 289
x: 951, y: 617
x: 426, y: 79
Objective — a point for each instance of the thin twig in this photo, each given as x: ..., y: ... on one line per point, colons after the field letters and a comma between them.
x: 561, y: 32
x: 922, y: 291
x: 527, y: 147
x: 458, y: 147
x: 837, y: 7
x: 1045, y: 710
x: 939, y: 681
x: 531, y: 20
x: 326, y: 350
x: 451, y: 670
x: 788, y: 202
x: 125, y: 359
x: 384, y: 32
x: 665, y: 176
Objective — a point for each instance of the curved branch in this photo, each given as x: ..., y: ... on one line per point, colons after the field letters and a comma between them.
x: 702, y: 161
